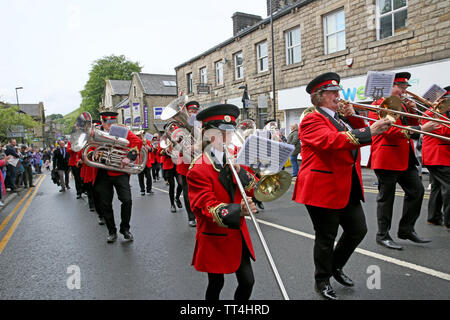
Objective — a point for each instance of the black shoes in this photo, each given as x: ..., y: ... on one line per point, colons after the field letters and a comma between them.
x: 435, y: 223
x: 79, y: 196
x: 340, y: 277
x: 178, y: 202
x: 142, y: 193
x: 326, y: 290
x: 173, y: 209
x: 390, y: 244
x: 127, y: 235
x: 150, y: 192
x: 112, y: 237
x: 62, y: 190
x: 413, y: 237
x: 192, y: 223
x: 101, y: 221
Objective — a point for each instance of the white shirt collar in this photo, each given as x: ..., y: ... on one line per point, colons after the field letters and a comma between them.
x: 329, y: 111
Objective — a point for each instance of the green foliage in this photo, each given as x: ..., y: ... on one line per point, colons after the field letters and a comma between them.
x: 54, y: 116
x: 10, y: 116
x: 110, y: 67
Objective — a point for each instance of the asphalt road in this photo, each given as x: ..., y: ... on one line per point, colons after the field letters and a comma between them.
x: 51, y: 247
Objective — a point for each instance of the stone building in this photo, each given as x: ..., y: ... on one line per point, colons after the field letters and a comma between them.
x: 36, y: 111
x: 139, y: 102
x: 350, y: 37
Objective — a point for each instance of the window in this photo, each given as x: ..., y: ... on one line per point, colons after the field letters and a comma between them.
x: 219, y: 73
x: 293, y: 46
x: 391, y: 17
x: 190, y: 85
x: 203, y: 76
x: 169, y: 83
x: 262, y: 57
x: 238, y: 66
x: 334, y: 31
x: 134, y: 92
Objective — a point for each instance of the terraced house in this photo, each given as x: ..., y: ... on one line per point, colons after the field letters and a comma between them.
x: 310, y: 37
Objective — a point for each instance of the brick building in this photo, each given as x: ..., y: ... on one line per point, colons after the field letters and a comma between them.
x: 139, y: 102
x: 349, y: 37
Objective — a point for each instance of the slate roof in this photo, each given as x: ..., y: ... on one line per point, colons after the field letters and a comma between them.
x: 153, y: 84
x: 30, y: 109
x: 121, y: 87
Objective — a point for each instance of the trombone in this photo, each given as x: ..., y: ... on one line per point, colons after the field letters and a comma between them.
x: 390, y: 106
x: 438, y: 108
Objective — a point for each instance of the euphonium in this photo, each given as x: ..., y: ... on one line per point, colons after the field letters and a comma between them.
x: 103, y: 150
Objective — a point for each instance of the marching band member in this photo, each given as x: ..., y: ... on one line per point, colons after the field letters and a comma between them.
x: 393, y: 159
x: 222, y: 242
x: 148, y: 168
x: 183, y: 168
x: 436, y: 157
x: 74, y: 167
x: 329, y: 182
x: 106, y: 181
x: 170, y: 175
x: 156, y: 165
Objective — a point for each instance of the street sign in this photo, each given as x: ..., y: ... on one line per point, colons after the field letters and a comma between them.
x: 203, y: 88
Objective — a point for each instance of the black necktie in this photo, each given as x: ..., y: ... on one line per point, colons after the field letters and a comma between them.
x: 338, y: 119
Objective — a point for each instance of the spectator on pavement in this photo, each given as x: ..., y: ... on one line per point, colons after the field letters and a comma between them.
x: 11, y: 165
x: 294, y: 140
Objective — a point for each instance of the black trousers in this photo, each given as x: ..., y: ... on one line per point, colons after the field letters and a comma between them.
x: 326, y: 223
x: 439, y: 203
x: 146, y: 173
x: 76, y: 171
x: 414, y: 191
x: 244, y: 277
x: 104, y: 189
x: 187, y: 205
x: 171, y: 175
x: 155, y: 170
x: 92, y: 198
x: 27, y: 176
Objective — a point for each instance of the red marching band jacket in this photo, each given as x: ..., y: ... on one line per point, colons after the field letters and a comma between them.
x: 325, y: 176
x: 221, y: 230
x: 166, y: 160
x: 74, y: 156
x: 435, y: 151
x: 150, y: 154
x: 390, y: 150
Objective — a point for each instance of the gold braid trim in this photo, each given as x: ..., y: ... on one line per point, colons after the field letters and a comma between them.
x: 135, y: 149
x: 194, y: 161
x: 406, y: 133
x: 215, y: 213
x: 351, y: 137
x: 252, y: 182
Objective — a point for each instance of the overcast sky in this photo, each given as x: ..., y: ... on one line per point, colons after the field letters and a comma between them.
x: 48, y: 46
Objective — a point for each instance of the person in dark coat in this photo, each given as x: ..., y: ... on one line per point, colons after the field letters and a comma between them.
x: 61, y: 165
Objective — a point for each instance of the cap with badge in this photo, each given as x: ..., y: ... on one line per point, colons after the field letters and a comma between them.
x: 192, y: 105
x: 402, y: 78
x: 221, y: 116
x: 327, y: 81
x: 447, y: 94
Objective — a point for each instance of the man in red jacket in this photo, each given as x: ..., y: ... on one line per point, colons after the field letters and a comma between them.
x: 393, y: 159
x: 106, y: 181
x: 329, y: 182
x: 436, y: 157
x: 222, y: 242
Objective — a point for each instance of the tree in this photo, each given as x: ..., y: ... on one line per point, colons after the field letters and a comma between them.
x: 10, y: 116
x: 111, y: 67
x: 54, y: 116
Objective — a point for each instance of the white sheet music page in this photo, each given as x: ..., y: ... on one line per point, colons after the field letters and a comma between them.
x: 433, y: 93
x: 264, y: 154
x: 379, y: 84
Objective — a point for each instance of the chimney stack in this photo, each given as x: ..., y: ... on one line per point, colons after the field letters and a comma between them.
x: 243, y: 20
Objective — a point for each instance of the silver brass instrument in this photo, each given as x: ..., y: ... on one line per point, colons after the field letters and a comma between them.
x: 102, y: 150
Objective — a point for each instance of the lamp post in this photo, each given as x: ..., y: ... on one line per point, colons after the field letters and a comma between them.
x: 273, y: 62
x: 244, y: 99
x: 17, y: 96
x: 18, y: 106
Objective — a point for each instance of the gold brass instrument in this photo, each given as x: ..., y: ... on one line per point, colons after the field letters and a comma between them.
x: 271, y: 185
x: 437, y: 108
x: 102, y: 150
x: 390, y: 108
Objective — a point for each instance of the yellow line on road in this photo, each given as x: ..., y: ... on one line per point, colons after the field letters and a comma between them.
x: 11, y: 230
x: 5, y: 222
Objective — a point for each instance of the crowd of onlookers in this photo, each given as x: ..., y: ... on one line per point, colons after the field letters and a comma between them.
x: 19, y: 164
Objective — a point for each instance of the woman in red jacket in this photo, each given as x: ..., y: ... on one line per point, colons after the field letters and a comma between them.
x: 222, y: 242
x: 329, y: 182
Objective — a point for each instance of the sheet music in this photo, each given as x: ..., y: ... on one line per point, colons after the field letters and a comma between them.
x: 148, y: 136
x: 379, y: 84
x: 263, y: 154
x: 13, y: 161
x: 433, y: 93
x: 118, y: 131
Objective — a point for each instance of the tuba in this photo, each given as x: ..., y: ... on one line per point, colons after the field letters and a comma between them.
x: 104, y: 150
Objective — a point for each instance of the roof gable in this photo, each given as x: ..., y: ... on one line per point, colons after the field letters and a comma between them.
x: 158, y: 84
